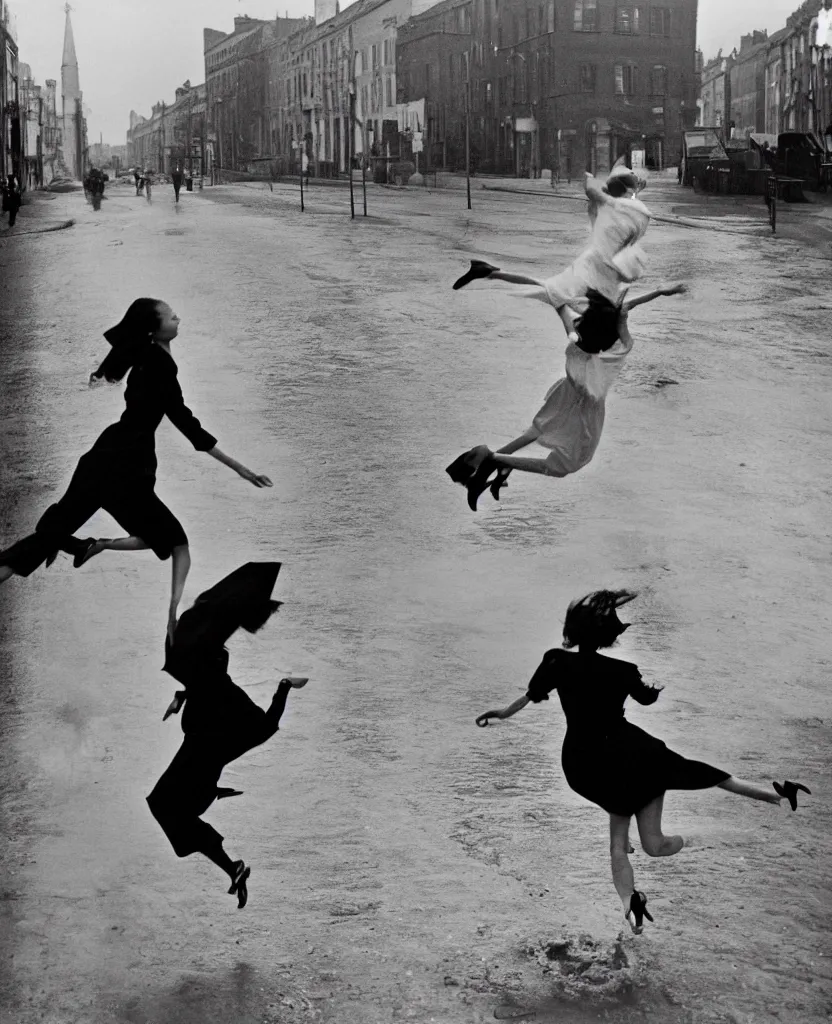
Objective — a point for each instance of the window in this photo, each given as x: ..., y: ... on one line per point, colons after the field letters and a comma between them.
x: 529, y: 30
x: 375, y: 56
x: 515, y: 22
x: 588, y: 75
x: 658, y: 80
x: 628, y: 21
x: 551, y: 16
x: 365, y: 63
x: 625, y: 79
x: 427, y: 77
x: 586, y: 16
x: 489, y: 96
x: 464, y: 68
x: 388, y: 91
x: 451, y: 70
x: 659, y: 21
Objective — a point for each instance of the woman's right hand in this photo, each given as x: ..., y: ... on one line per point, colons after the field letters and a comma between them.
x: 254, y: 478
x: 482, y: 720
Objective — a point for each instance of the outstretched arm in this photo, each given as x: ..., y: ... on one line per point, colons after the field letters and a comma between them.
x: 512, y: 709
x: 276, y: 708
x: 239, y: 468
x: 670, y: 289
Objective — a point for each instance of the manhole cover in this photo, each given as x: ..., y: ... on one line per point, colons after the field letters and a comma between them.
x: 175, y: 231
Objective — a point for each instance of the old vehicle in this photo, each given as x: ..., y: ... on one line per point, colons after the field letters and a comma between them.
x: 800, y: 155
x: 704, y: 159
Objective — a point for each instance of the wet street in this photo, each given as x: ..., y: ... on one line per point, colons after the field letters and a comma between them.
x: 405, y: 864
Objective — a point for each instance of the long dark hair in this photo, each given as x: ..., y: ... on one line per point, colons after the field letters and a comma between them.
x: 130, y: 338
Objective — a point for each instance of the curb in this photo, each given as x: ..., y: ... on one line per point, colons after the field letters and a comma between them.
x: 11, y: 233
x: 665, y: 218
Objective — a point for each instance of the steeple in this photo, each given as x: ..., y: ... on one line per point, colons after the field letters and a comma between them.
x: 70, y: 60
x: 73, y: 135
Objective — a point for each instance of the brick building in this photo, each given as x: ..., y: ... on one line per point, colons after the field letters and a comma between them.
x: 570, y: 84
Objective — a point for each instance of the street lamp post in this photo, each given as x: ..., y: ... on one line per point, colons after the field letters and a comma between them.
x: 468, y: 132
x: 351, y: 146
x: 218, y: 107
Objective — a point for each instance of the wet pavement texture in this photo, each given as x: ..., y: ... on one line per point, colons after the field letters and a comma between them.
x: 406, y: 865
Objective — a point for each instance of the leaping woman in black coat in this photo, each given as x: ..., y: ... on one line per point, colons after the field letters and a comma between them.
x: 611, y: 762
x: 118, y: 474
x: 220, y: 721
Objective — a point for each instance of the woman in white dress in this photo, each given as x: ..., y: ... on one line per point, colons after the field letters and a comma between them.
x: 571, y: 419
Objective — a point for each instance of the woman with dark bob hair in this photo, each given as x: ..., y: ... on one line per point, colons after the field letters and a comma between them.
x: 605, y: 758
x: 118, y: 474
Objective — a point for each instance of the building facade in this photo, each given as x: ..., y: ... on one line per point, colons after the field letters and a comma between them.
x: 563, y: 84
x: 174, y: 136
x: 715, y: 92
x: 748, y: 85
x: 41, y: 151
x: 779, y: 83
x: 11, y: 126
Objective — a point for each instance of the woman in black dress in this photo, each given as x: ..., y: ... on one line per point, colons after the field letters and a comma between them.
x: 220, y: 721
x: 605, y: 758
x: 118, y: 474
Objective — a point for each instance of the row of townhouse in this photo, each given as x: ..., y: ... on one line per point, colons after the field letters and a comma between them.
x: 30, y: 125
x: 562, y: 84
x: 175, y: 134
x: 776, y: 83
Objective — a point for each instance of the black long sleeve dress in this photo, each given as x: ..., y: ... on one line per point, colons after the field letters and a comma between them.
x: 118, y: 474
x: 220, y: 721
x: 605, y: 758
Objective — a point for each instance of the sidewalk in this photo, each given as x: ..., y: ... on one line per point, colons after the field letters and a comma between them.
x: 40, y: 212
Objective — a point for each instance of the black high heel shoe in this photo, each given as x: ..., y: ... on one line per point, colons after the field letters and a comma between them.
x: 638, y: 912
x: 84, y: 552
x: 238, y: 885
x: 480, y: 481
x: 499, y: 482
x: 478, y: 270
x: 789, y: 790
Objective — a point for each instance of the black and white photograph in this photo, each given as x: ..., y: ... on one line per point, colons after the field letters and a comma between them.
x: 376, y: 647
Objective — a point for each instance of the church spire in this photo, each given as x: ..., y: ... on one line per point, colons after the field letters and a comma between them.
x: 69, y: 58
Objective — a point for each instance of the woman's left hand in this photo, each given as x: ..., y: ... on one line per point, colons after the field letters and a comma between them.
x: 171, y: 625
x: 482, y: 721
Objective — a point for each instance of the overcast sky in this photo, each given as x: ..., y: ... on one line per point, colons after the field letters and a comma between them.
x: 132, y: 53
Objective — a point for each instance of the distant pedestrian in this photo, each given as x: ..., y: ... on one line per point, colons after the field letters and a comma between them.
x: 220, y: 721
x: 11, y: 199
x: 118, y: 474
x: 137, y: 174
x: 611, y: 762
x: 176, y: 178
x: 147, y: 181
